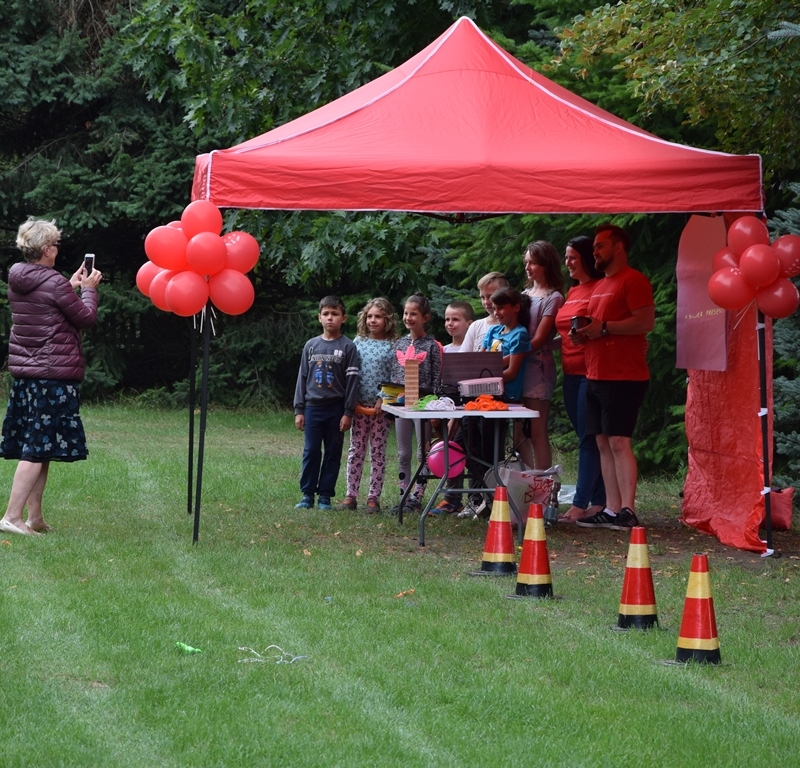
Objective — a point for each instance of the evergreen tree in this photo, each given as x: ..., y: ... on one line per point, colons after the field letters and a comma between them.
x: 786, y: 394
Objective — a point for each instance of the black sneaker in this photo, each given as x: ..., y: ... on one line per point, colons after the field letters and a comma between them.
x: 624, y: 520
x: 307, y: 502
x: 599, y: 520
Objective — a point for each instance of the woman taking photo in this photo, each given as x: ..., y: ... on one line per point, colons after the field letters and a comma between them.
x: 45, y: 358
x: 590, y: 493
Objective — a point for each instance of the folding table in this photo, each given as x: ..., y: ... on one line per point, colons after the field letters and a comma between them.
x: 514, y: 412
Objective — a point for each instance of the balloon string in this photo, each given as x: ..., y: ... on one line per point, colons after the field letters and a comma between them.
x: 740, y: 315
x: 281, y: 658
x: 210, y: 317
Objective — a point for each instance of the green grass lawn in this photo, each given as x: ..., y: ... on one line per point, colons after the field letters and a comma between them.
x: 405, y: 659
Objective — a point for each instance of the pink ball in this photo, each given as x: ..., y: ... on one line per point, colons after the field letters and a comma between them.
x: 436, y: 459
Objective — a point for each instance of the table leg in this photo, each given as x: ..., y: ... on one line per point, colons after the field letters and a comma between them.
x: 442, y: 482
x: 499, y: 480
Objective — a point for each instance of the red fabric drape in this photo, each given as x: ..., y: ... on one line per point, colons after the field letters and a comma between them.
x: 723, y: 489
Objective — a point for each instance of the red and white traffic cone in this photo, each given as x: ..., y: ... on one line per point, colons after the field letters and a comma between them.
x: 637, y: 606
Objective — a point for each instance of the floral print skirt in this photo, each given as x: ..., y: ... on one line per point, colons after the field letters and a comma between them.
x: 42, y: 422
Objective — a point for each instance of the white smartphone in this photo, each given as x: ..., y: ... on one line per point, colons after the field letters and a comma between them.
x: 88, y: 263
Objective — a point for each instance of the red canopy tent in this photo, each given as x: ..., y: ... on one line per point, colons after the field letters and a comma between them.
x: 465, y: 127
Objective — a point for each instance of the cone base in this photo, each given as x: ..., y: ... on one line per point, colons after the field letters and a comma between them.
x: 496, y: 569
x: 697, y: 655
x: 501, y: 567
x: 528, y: 597
x: 534, y: 590
x: 636, y: 621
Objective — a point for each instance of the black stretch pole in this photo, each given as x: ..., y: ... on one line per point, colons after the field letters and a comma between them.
x: 193, y: 336
x: 764, y: 414
x: 203, y: 414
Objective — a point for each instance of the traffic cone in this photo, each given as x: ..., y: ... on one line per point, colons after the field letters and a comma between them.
x: 533, y: 577
x: 637, y: 606
x: 697, y: 640
x: 498, y: 551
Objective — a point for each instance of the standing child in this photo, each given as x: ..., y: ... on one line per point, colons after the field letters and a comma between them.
x: 545, y: 287
x: 487, y: 285
x: 512, y: 308
x: 457, y: 319
x: 375, y: 346
x: 479, y: 434
x: 324, y: 401
x: 416, y: 315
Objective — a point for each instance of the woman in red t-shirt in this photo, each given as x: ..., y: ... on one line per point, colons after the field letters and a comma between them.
x: 590, y: 493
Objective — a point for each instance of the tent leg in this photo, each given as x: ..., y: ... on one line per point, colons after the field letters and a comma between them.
x: 203, y: 415
x: 193, y: 334
x: 764, y: 414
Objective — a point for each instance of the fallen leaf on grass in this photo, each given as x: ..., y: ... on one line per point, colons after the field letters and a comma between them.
x: 405, y: 594
x: 306, y: 553
x: 6, y: 542
x: 359, y: 553
x: 337, y: 533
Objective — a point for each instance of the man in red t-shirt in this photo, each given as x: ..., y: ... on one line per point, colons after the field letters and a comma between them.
x: 622, y: 312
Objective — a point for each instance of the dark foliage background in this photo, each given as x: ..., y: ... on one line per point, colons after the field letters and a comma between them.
x: 104, y: 105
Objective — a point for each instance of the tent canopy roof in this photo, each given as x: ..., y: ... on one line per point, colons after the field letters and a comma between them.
x: 463, y: 126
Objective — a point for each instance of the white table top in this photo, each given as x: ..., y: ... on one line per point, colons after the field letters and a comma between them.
x: 513, y: 412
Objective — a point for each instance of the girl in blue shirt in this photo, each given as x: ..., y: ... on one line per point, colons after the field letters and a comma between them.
x: 512, y: 309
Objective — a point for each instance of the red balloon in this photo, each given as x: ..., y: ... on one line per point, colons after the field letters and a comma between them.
x: 243, y: 251
x: 158, y: 287
x: 231, y: 292
x: 187, y: 293
x: 729, y: 290
x: 787, y: 249
x: 145, y: 276
x: 747, y: 231
x: 201, y: 216
x: 759, y: 265
x: 724, y: 257
x: 780, y: 299
x: 174, y: 224
x: 166, y: 247
x: 206, y: 253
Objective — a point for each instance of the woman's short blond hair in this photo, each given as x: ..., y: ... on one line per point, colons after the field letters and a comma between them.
x: 34, y: 236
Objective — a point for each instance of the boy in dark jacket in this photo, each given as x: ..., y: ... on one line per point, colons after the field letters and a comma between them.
x: 324, y: 402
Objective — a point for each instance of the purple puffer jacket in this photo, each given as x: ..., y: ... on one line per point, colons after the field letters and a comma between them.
x: 47, y: 317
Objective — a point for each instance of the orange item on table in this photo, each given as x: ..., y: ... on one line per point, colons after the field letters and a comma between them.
x: 485, y: 403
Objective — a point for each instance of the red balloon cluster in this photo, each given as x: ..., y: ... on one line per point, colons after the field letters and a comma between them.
x: 750, y: 268
x: 190, y: 262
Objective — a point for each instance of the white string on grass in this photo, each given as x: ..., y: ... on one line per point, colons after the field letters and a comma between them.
x: 280, y: 658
